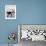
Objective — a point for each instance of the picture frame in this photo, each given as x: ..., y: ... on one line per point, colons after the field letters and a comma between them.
x: 10, y: 11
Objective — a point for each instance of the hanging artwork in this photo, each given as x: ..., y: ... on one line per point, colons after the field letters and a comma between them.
x: 10, y: 11
x: 32, y: 32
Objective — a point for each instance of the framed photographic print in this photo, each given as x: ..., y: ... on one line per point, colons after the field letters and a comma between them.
x: 31, y: 32
x: 10, y: 11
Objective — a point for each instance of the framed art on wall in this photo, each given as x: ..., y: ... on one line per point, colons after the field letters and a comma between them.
x: 31, y: 32
x: 10, y: 11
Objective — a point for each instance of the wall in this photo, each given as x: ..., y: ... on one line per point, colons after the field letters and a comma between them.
x: 27, y: 12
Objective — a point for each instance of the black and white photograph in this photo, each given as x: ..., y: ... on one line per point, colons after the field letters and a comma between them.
x: 10, y: 11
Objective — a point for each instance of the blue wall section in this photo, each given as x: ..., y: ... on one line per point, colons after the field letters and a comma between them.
x: 27, y: 12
